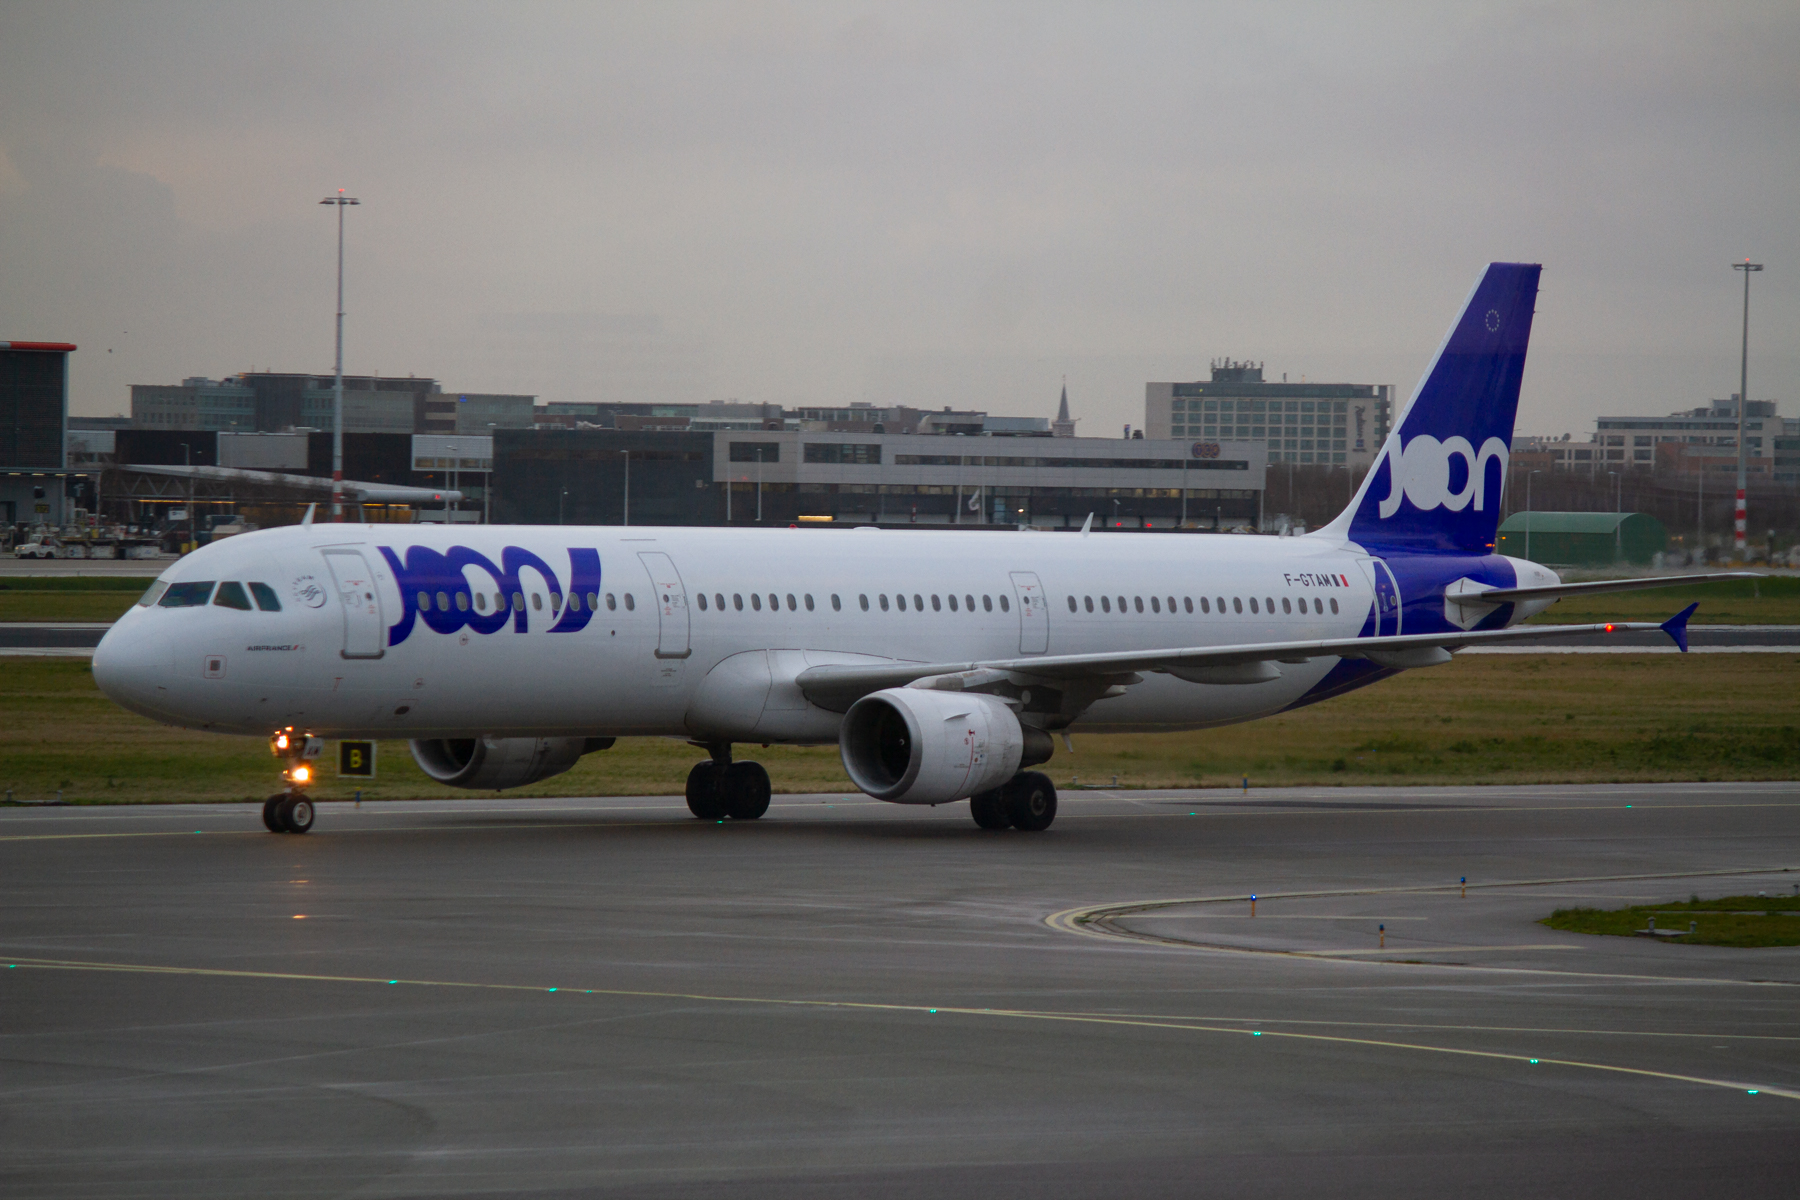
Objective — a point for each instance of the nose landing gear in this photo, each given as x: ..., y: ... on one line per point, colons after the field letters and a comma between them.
x: 291, y: 811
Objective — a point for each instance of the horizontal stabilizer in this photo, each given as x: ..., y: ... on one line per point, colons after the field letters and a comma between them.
x: 1557, y: 591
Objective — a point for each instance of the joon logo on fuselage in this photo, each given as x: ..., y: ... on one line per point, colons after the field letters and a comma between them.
x: 435, y: 588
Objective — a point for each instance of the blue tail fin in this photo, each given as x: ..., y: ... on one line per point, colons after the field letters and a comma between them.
x: 1437, y: 484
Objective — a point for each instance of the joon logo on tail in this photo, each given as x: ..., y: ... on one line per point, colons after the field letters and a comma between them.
x: 435, y: 588
x: 1436, y: 486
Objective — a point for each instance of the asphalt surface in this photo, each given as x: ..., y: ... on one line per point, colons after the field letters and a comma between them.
x: 609, y: 998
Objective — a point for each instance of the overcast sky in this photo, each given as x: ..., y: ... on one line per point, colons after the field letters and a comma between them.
x: 956, y: 204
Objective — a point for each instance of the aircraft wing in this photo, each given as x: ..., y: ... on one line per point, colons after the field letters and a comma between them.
x: 1495, y: 596
x: 835, y: 688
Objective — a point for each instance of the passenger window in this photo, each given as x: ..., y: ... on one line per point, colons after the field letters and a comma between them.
x: 702, y: 601
x: 575, y: 601
x: 594, y: 602
x: 1284, y: 605
x: 1072, y: 605
x: 1253, y: 604
x: 987, y: 603
x: 630, y: 603
x: 265, y: 597
x: 756, y: 601
x: 518, y: 601
x: 1205, y: 605
x: 1237, y: 604
x: 499, y: 601
x: 462, y: 602
x: 865, y: 602
x: 1171, y: 604
x: 1189, y: 602
x: 1005, y: 605
x: 231, y: 595
x: 444, y: 601
x: 809, y: 603
x: 719, y: 601
x: 792, y: 607
x: 1222, y: 606
x: 883, y: 598
x: 152, y: 594
x: 1269, y: 603
x: 187, y: 595
x: 918, y: 602
x: 968, y: 602
x: 1105, y: 604
x: 1122, y: 604
x: 900, y: 602
x: 1154, y: 605
x: 1088, y: 602
x: 1334, y: 606
x: 952, y: 598
x: 612, y: 602
x: 537, y: 601
x: 1140, y: 602
x: 1318, y: 605
x: 480, y: 601
x: 737, y: 601
x: 774, y: 602
x: 936, y: 604
x: 836, y: 604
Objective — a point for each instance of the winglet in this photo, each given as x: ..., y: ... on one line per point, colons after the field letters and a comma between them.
x: 1676, y: 626
x: 307, y: 519
x: 1087, y: 524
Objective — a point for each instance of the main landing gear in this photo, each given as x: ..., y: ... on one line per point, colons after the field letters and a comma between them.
x: 1027, y: 801
x: 720, y: 788
x: 291, y: 811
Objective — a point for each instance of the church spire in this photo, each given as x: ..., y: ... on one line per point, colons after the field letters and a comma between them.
x: 1063, y: 426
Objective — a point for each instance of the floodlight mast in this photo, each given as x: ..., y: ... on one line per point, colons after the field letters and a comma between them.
x: 1748, y: 268
x: 337, y: 384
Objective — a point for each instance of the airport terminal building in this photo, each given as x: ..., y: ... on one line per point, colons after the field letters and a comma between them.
x: 783, y: 477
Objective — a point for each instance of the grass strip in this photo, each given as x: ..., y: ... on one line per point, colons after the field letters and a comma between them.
x: 1742, y: 921
x: 1493, y: 719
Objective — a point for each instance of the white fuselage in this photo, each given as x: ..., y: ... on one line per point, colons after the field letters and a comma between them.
x: 347, y: 655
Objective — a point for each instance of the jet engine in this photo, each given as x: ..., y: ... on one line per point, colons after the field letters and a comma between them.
x: 920, y: 746
x: 491, y: 763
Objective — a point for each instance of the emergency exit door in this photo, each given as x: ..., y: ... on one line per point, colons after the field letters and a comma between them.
x: 1034, y: 613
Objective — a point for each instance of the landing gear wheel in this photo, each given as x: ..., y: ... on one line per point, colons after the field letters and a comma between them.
x: 989, y: 809
x: 295, y: 812
x: 1031, y: 801
x: 746, y: 791
x: 706, y: 792
x: 272, y: 815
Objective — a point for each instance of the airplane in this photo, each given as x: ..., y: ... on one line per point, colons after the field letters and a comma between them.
x: 941, y: 664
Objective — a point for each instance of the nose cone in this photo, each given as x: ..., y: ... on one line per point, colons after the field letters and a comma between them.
x: 134, y: 668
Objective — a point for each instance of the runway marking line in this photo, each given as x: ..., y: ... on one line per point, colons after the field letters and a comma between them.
x: 1170, y: 1023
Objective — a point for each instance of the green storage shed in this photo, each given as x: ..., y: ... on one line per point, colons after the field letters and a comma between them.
x: 1582, y: 539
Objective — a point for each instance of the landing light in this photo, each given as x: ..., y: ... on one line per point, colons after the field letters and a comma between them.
x: 300, y: 774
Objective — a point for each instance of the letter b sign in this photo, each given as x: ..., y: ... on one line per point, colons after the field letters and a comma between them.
x: 356, y: 760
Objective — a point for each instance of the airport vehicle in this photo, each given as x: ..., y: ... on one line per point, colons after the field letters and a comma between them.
x: 39, y: 546
x: 941, y: 663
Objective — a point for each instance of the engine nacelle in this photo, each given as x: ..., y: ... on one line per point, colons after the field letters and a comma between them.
x: 492, y: 763
x: 920, y: 746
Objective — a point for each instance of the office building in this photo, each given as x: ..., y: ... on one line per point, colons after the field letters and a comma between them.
x: 34, y: 412
x: 1317, y: 424
x: 271, y: 401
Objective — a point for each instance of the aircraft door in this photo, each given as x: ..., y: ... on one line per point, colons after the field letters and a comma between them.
x: 1034, y: 613
x: 671, y: 605
x: 364, y: 629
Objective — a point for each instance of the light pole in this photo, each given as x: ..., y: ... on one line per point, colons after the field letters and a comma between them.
x: 1528, y: 476
x: 1618, y: 510
x: 341, y: 201
x: 1748, y: 268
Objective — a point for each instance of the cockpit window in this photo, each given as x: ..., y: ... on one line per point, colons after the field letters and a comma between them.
x: 265, y: 597
x: 187, y: 595
x: 231, y: 595
x: 153, y: 594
